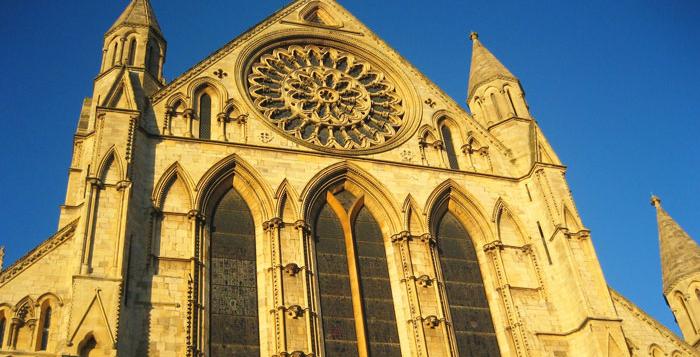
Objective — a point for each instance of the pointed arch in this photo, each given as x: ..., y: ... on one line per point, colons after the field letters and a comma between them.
x: 252, y: 186
x: 217, y: 88
x: 53, y: 298
x: 377, y: 198
x: 461, y: 230
x: 173, y: 173
x: 412, y: 216
x: 427, y: 132
x: 317, y: 13
x: 509, y: 227
x: 570, y: 220
x: 111, y: 167
x: 353, y: 219
x: 174, y: 99
x: 287, y: 201
x: 475, y: 221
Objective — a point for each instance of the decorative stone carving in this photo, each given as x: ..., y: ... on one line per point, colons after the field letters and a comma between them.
x: 326, y: 97
x: 265, y: 137
x: 295, y: 311
x: 424, y: 281
x: 431, y: 322
x: 292, y: 269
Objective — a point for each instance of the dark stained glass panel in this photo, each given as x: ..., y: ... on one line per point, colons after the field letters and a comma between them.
x: 334, y: 285
x: 233, y: 299
x: 471, y: 317
x: 380, y: 322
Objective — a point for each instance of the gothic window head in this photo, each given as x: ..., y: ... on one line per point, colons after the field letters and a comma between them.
x: 328, y: 97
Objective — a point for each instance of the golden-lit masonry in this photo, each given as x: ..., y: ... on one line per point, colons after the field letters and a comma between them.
x: 305, y: 191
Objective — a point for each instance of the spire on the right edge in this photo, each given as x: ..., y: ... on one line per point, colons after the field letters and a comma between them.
x: 485, y: 66
x: 680, y: 254
x: 680, y: 271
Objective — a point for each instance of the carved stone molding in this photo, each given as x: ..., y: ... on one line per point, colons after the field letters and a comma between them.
x: 196, y: 215
x: 302, y: 226
x: 274, y: 223
x: 295, y: 354
x: 292, y: 269
x: 428, y: 238
x: 401, y: 237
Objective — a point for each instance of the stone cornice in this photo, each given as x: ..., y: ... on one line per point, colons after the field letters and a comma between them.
x: 39, y: 252
x: 536, y: 166
x: 640, y: 314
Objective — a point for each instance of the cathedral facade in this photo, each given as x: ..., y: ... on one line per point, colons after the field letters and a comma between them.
x: 305, y: 191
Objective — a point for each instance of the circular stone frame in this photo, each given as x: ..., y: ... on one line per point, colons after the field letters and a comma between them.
x: 410, y: 107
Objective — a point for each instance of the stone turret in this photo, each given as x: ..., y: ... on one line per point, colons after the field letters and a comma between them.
x: 134, y: 45
x: 680, y: 268
x: 497, y: 101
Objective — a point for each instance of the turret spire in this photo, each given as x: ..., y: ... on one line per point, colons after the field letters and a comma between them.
x: 680, y: 254
x: 485, y: 66
x: 138, y: 13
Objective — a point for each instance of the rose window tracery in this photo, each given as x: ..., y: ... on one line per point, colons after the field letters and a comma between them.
x: 326, y: 97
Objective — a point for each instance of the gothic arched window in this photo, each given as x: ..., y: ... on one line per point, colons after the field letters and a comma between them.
x: 2, y: 330
x: 233, y: 319
x: 469, y: 309
x: 205, y: 116
x: 132, y: 52
x: 353, y: 276
x: 45, y: 329
x: 449, y: 142
x: 152, y: 58
x: 114, y: 54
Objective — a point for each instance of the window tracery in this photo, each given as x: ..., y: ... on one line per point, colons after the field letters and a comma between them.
x: 326, y: 97
x: 464, y: 285
x: 354, y: 280
x: 233, y: 300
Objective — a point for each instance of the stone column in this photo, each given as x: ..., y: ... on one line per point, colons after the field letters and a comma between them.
x: 403, y: 241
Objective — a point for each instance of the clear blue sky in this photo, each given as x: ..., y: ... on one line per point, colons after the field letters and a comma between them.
x: 614, y: 85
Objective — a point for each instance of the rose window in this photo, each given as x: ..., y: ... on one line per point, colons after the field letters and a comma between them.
x: 327, y: 97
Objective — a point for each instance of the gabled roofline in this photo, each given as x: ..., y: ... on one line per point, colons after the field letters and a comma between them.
x: 39, y: 252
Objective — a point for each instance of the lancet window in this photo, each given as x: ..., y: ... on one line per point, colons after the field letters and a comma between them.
x: 469, y: 310
x: 450, y: 148
x: 3, y: 323
x: 205, y: 116
x: 132, y: 52
x: 356, y: 301
x: 45, y: 329
x: 233, y: 317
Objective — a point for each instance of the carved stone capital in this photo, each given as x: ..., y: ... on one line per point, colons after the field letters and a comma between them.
x: 292, y: 269
x: 188, y: 113
x: 431, y: 321
x: 428, y: 238
x: 196, y: 215
x: 293, y: 311
x: 222, y: 117
x: 241, y: 119
x: 489, y: 247
x: 274, y: 223
x: 295, y: 354
x: 302, y: 226
x: 401, y: 237
x: 424, y: 281
x: 95, y: 182
x: 437, y: 144
x: 123, y: 184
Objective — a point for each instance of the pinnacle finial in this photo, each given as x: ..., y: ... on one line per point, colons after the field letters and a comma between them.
x: 473, y: 36
x: 655, y: 201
